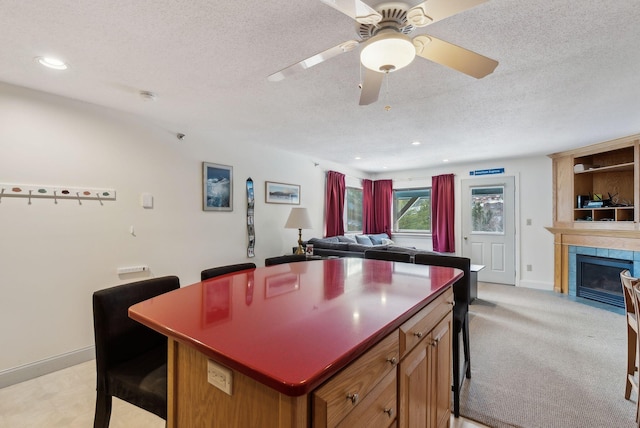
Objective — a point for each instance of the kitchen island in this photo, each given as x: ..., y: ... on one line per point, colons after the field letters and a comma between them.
x: 331, y: 342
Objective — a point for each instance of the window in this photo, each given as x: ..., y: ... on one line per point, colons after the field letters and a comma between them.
x: 412, y: 210
x: 487, y: 206
x: 354, y: 210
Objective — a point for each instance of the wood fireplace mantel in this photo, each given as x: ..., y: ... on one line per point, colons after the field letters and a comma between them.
x: 596, y: 238
x: 610, y: 168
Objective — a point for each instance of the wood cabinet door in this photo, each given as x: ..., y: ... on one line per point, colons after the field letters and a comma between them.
x: 424, y: 381
x: 441, y: 373
x: 413, y: 387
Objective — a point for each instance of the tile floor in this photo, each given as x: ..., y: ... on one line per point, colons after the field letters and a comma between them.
x: 66, y: 399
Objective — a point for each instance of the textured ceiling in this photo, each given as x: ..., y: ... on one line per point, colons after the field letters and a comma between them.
x: 569, y: 75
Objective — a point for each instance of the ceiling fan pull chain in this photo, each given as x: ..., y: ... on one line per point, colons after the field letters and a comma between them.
x: 387, y: 107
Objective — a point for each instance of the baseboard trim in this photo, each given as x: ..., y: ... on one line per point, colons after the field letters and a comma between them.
x: 49, y: 365
x: 538, y: 285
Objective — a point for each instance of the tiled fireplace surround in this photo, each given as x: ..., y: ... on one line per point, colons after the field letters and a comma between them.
x: 574, y: 250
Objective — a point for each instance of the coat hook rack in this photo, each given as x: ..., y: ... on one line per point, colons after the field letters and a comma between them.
x: 56, y: 193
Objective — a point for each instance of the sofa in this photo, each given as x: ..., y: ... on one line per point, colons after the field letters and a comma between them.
x: 347, y: 245
x: 355, y: 245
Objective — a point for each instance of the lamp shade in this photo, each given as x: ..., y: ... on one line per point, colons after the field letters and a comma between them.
x: 387, y: 52
x: 298, y: 219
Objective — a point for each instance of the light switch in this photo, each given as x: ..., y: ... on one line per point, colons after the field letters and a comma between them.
x: 146, y: 200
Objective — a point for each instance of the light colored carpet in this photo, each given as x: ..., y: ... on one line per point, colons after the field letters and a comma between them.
x: 539, y: 359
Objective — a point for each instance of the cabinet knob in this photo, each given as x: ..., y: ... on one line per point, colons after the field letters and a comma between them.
x: 418, y: 334
x: 393, y: 361
x: 389, y: 412
x: 353, y: 397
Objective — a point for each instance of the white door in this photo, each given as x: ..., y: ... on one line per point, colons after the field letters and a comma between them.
x: 488, y: 227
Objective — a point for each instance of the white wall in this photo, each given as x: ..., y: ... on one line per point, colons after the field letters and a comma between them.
x: 54, y: 256
x: 534, y: 244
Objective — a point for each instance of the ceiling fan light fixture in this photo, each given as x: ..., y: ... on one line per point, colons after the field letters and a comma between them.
x: 389, y: 51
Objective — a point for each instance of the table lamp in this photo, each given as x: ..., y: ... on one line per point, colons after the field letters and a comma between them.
x: 298, y: 219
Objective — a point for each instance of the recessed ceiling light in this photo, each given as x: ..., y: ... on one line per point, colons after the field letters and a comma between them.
x: 357, y: 158
x: 50, y: 62
x: 416, y: 143
x: 445, y: 160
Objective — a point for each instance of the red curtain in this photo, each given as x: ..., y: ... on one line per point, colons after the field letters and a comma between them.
x: 382, y: 199
x: 334, y: 203
x: 442, y: 220
x: 368, y: 215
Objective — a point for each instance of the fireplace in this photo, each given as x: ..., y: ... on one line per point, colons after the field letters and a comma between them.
x: 598, y: 278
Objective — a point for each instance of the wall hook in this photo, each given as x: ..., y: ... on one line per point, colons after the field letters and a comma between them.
x: 31, y: 192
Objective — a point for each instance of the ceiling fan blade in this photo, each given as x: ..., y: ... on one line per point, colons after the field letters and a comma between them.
x: 314, y: 60
x: 461, y: 59
x: 371, y: 87
x: 431, y: 11
x: 356, y: 9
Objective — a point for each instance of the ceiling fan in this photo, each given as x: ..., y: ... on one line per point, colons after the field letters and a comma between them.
x: 387, y: 47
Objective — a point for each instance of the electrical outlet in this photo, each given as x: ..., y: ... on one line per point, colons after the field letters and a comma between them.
x: 219, y: 376
x: 529, y: 268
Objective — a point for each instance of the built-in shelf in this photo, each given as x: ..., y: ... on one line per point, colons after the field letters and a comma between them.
x: 629, y: 166
x: 604, y: 214
x: 597, y: 184
x: 608, y: 175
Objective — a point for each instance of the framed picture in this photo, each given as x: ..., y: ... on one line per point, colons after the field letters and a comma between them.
x: 217, y: 187
x: 281, y: 193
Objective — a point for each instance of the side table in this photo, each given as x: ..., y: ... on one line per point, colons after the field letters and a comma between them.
x: 473, y: 281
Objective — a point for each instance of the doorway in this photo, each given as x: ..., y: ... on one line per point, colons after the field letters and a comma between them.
x: 488, y: 227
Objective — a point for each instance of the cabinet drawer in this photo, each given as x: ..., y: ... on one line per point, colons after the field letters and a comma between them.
x: 346, y: 390
x: 418, y: 326
x: 378, y: 409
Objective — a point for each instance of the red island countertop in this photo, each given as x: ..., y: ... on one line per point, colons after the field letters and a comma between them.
x: 292, y: 326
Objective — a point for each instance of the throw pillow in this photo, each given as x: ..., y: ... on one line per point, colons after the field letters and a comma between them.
x: 348, y: 238
x: 378, y: 237
x: 364, y: 240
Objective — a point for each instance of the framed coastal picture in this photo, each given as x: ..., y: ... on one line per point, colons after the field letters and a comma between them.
x: 217, y: 187
x: 282, y: 193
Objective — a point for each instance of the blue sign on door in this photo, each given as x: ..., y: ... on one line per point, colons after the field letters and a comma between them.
x: 487, y: 171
